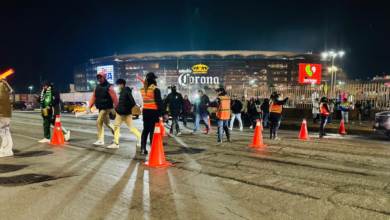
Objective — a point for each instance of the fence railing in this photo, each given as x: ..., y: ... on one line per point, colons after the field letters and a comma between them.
x: 302, y: 96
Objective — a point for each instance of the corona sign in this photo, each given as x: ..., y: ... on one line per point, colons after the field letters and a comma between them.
x: 186, y: 79
x: 200, y: 69
x: 309, y: 73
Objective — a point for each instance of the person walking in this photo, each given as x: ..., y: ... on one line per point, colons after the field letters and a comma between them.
x: 325, y: 112
x: 331, y: 108
x: 344, y: 106
x: 276, y: 107
x: 186, y: 110
x: 244, y: 110
x: 265, y: 110
x: 124, y: 113
x: 201, y: 112
x: 50, y: 108
x: 358, y: 111
x: 104, y: 98
x: 152, y: 109
x: 5, y: 119
x: 316, y: 110
x: 223, y: 113
x: 176, y: 105
x: 166, y: 121
x: 236, y: 107
x: 252, y: 113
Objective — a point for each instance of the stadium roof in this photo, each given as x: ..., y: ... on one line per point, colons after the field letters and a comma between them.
x: 220, y: 53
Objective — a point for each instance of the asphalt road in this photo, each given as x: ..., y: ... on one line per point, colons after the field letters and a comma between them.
x: 337, y: 177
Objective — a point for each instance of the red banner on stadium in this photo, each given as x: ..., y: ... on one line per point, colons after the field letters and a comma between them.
x: 309, y: 73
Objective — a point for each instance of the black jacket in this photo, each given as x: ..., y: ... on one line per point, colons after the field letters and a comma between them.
x: 175, y: 101
x: 265, y: 107
x: 126, y: 102
x: 102, y: 96
x: 252, y: 110
x: 200, y: 104
x: 236, y: 106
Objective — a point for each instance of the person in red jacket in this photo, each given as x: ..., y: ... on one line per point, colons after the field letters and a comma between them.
x: 104, y: 98
x: 186, y: 110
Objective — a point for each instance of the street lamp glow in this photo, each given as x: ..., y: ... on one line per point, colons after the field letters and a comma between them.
x: 324, y: 55
x: 331, y: 53
x: 341, y: 53
x: 252, y: 81
x: 30, y: 87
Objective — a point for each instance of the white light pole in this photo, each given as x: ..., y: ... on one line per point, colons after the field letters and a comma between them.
x: 333, y: 55
x: 30, y: 91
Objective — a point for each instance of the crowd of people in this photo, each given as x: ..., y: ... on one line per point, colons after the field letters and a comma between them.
x: 227, y: 109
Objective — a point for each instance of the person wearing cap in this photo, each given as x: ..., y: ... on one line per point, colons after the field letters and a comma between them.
x: 200, y: 108
x: 5, y: 119
x: 104, y: 98
x: 223, y: 113
x: 325, y: 112
x: 153, y: 108
x: 236, y: 107
x: 276, y: 107
x: 124, y: 113
x: 50, y: 108
x: 244, y: 110
x: 176, y: 105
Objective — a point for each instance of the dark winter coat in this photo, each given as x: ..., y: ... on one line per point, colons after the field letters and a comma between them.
x: 265, y: 107
x: 252, y: 110
x: 187, y: 106
x: 236, y: 106
x: 175, y: 101
x: 126, y: 102
x: 200, y: 104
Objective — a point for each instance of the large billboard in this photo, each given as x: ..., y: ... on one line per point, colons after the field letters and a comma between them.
x: 109, y: 71
x: 309, y: 73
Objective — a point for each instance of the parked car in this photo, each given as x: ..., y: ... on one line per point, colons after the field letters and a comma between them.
x: 68, y: 106
x: 79, y: 107
x: 22, y: 105
x: 382, y: 122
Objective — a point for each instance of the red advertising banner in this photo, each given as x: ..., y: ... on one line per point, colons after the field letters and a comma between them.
x: 23, y: 97
x: 309, y: 73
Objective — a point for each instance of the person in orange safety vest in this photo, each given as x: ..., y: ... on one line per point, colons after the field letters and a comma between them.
x: 153, y: 108
x: 325, y: 111
x: 276, y: 107
x: 223, y: 113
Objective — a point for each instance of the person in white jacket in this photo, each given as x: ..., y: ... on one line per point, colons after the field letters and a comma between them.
x: 316, y: 110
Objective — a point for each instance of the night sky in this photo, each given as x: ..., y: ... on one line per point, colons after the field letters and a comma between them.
x: 52, y: 37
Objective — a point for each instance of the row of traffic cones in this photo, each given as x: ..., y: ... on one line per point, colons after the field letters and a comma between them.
x: 304, y: 135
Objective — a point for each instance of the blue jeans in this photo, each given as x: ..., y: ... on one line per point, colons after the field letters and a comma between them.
x: 223, y: 125
x: 197, y: 120
x: 265, y: 119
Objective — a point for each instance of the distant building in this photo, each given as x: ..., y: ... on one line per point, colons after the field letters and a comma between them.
x: 200, y: 69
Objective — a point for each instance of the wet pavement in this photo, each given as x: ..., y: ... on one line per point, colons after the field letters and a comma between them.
x: 337, y: 177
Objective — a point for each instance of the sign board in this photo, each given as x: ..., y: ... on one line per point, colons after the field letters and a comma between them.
x: 309, y: 73
x: 186, y: 78
x: 109, y: 71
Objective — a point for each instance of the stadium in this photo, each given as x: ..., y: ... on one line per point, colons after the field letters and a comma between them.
x: 193, y: 70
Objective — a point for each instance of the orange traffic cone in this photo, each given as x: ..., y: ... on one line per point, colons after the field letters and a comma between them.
x: 163, y: 133
x: 58, y: 136
x: 157, y: 155
x: 342, y: 127
x: 258, y: 137
x: 208, y: 120
x: 304, y: 135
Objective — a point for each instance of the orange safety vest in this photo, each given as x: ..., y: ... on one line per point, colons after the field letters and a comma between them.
x: 276, y: 108
x: 323, y: 110
x: 223, y: 111
x: 148, y: 98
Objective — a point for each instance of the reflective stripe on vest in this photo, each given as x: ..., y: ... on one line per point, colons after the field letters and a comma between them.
x: 323, y: 110
x: 223, y: 111
x: 148, y: 98
x: 276, y: 108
